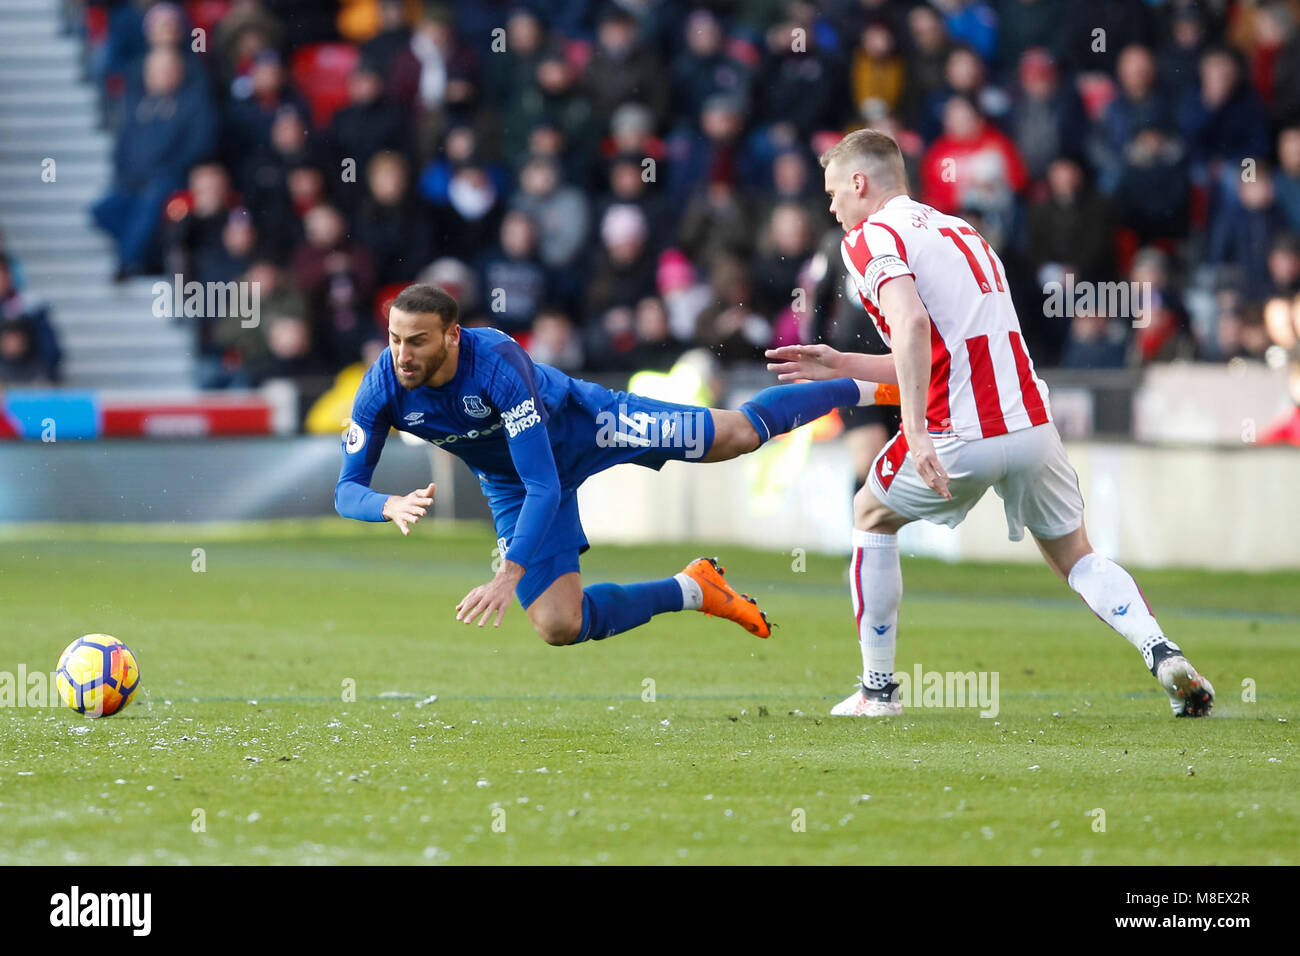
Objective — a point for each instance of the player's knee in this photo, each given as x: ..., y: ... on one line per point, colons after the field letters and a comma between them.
x: 558, y: 630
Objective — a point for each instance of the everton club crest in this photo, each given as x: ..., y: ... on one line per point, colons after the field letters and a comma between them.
x: 475, y: 408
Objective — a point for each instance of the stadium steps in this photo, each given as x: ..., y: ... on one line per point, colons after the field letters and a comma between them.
x: 110, y: 336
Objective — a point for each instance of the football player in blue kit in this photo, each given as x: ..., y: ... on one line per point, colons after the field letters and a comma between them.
x: 532, y: 435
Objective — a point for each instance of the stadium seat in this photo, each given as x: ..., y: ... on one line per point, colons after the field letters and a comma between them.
x: 384, y: 301
x: 206, y: 14
x: 321, y: 72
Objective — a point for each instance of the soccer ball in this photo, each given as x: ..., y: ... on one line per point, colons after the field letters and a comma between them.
x: 97, y: 675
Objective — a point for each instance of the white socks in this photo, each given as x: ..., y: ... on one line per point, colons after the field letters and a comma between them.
x: 1114, y: 597
x: 692, y: 594
x: 876, y: 581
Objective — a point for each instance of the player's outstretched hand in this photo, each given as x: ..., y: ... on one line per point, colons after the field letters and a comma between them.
x: 406, y: 510
x: 928, y: 466
x: 813, y: 362
x: 495, y: 596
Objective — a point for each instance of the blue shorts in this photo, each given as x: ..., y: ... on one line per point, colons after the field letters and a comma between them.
x: 629, y: 428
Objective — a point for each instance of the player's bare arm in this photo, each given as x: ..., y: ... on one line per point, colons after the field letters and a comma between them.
x: 909, y: 324
x: 821, y: 362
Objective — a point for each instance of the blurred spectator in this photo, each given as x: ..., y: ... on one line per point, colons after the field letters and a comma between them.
x: 964, y: 74
x: 1123, y: 21
x: 877, y: 72
x: 557, y: 101
x: 625, y: 263
x: 1286, y: 180
x: 1242, y: 232
x: 712, y: 153
x: 370, y: 122
x: 194, y: 223
x: 293, y: 356
x: 623, y: 69
x: 628, y: 185
x: 973, y: 165
x: 391, y: 39
x: 801, y: 84
x: 471, y: 216
x: 34, y: 349
x: 1152, y: 193
x: 245, y: 351
x: 512, y: 275
x: 1023, y: 24
x: 166, y: 131
x: 972, y: 22
x: 1141, y: 104
x: 246, y: 31
x: 1285, y: 69
x: 788, y: 243
x: 12, y: 263
x: 927, y: 60
x: 461, y: 148
x: 20, y: 360
x: 562, y: 216
x: 265, y: 179
x: 336, y: 275
x: 1159, y: 321
x: 1180, y: 56
x: 1283, y: 304
x: 683, y: 295
x: 716, y: 222
x: 1223, y: 120
x: 391, y: 223
x: 1046, y: 114
x: 555, y: 341
x: 1072, y: 228
x: 729, y: 327
x: 510, y: 80
x: 1070, y: 232
x: 437, y: 78
x: 704, y: 67
x: 794, y: 181
x: 255, y: 101
x: 1095, y: 341
x: 457, y: 278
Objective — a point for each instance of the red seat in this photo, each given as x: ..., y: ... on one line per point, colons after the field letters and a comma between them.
x: 384, y: 301
x: 321, y: 72
x: 205, y: 14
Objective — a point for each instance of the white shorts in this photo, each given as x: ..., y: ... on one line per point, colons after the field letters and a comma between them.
x: 1027, y: 468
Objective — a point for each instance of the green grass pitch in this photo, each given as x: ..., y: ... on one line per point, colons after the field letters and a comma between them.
x: 240, y: 746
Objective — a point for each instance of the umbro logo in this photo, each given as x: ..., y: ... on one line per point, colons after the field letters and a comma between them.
x: 414, y: 418
x: 1121, y: 610
x: 880, y: 629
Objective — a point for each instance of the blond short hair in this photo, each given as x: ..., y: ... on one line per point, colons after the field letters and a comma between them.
x: 874, y: 152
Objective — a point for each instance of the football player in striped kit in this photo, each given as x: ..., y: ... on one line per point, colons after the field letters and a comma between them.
x: 974, y: 416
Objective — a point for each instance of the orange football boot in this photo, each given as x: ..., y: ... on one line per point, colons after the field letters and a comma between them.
x: 721, y: 600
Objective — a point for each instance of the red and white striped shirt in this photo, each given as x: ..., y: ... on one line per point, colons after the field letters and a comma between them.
x: 982, y: 381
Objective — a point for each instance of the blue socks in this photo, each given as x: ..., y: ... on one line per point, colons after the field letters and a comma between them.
x: 609, y: 609
x: 782, y: 408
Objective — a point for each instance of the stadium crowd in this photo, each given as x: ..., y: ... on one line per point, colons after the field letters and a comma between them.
x: 617, y: 182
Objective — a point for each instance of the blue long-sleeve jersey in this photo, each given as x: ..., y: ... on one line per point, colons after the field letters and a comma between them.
x: 511, y: 420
